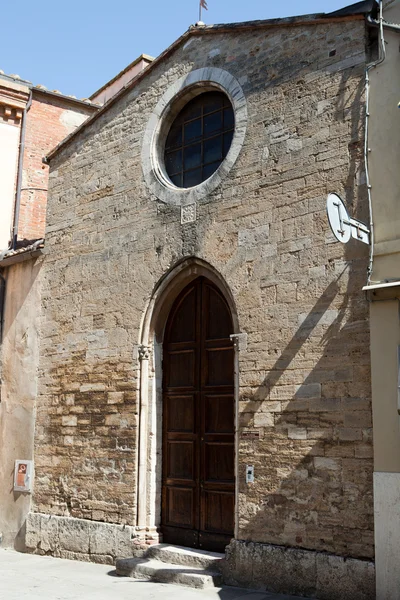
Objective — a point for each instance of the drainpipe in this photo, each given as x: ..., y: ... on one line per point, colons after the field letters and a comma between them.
x: 19, y: 176
x: 2, y: 302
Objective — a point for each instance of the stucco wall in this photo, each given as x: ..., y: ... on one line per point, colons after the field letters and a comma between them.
x: 304, y: 376
x: 383, y: 158
x: 13, y: 98
x: 9, y: 144
x: 19, y: 356
x: 385, y: 153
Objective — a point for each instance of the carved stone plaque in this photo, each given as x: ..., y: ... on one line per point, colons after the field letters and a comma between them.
x: 188, y: 213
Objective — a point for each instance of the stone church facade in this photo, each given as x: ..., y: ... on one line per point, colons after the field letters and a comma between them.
x: 230, y: 303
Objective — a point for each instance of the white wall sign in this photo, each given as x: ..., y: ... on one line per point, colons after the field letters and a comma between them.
x: 342, y: 225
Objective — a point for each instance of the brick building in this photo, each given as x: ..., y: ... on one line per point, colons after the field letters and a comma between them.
x: 200, y: 327
x: 34, y: 120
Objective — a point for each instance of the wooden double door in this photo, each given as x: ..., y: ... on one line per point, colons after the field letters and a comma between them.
x: 198, y: 486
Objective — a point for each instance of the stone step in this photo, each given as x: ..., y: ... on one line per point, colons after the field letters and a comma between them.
x: 188, y: 557
x: 162, y: 572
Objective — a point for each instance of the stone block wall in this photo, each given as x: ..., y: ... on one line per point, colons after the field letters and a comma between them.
x: 304, y: 375
x: 294, y: 571
x: 80, y: 539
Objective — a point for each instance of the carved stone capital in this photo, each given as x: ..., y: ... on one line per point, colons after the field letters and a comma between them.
x: 13, y: 99
x: 239, y: 340
x: 144, y: 352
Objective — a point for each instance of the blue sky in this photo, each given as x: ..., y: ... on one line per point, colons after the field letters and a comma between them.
x: 77, y: 46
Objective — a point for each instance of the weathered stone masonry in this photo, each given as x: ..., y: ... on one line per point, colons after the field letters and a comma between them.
x: 304, y: 375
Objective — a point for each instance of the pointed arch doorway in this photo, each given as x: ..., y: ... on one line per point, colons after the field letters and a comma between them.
x: 198, y: 457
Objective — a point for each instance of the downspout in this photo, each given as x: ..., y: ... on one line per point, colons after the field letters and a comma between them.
x: 19, y: 176
x: 366, y: 148
x: 2, y: 303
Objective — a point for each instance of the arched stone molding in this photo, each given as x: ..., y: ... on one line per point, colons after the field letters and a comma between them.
x: 161, y: 119
x: 150, y: 393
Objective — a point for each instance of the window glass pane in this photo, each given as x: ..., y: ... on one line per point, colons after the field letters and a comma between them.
x: 192, y: 130
x: 196, y: 143
x: 212, y: 123
x: 212, y: 150
x: 191, y: 178
x: 174, y: 137
x: 192, y: 109
x: 173, y: 161
x: 229, y: 119
x: 212, y: 102
x: 208, y: 170
x: 177, y: 179
x: 192, y: 156
x: 227, y: 142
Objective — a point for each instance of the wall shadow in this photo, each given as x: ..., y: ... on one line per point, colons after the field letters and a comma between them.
x: 315, y: 491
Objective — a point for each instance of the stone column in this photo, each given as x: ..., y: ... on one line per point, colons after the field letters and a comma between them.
x: 144, y: 357
x: 239, y: 343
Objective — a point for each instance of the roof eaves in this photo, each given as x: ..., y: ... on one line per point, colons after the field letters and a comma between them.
x: 359, y: 8
x: 145, y: 57
x: 18, y: 258
x: 314, y: 19
x: 118, y: 95
x: 15, y: 79
x: 43, y: 90
x: 87, y: 103
x: 9, y: 257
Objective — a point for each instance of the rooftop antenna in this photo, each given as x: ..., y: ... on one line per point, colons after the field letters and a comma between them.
x: 202, y: 4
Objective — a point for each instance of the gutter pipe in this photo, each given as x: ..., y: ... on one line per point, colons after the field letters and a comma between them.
x: 13, y: 243
x: 376, y: 23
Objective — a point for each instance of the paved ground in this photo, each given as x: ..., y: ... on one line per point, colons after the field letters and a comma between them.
x: 27, y: 577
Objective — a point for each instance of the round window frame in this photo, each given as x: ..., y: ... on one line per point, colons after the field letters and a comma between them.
x: 164, y: 114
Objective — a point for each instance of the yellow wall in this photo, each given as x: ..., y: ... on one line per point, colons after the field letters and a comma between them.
x: 384, y: 156
x: 385, y: 338
x: 384, y: 166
